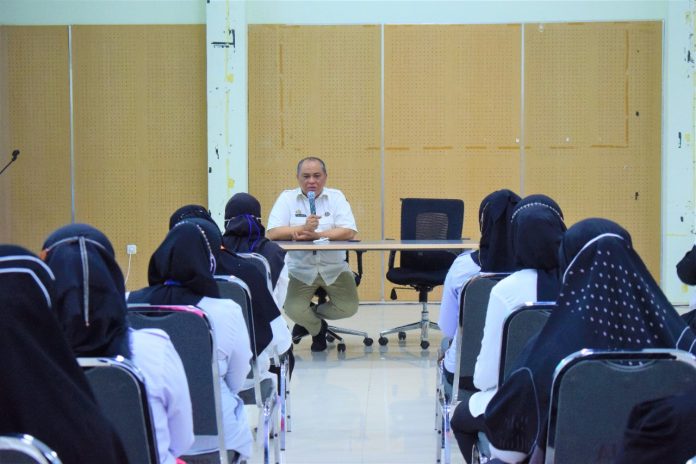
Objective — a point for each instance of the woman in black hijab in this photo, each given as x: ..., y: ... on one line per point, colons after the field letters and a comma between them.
x: 244, y: 233
x: 536, y: 230
x: 494, y: 255
x: 44, y: 392
x: 608, y: 301
x: 91, y: 308
x: 181, y: 273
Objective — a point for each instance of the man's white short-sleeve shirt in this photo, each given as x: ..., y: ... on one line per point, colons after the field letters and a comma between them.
x: 291, y: 209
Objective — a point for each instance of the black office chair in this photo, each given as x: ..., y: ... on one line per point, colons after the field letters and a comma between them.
x: 424, y: 219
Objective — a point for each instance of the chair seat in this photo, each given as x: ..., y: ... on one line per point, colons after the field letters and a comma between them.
x: 413, y: 277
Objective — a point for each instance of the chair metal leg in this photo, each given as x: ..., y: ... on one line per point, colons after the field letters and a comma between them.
x: 282, y: 400
x: 423, y: 325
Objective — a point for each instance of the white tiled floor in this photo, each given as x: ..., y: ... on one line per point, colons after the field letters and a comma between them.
x: 368, y: 405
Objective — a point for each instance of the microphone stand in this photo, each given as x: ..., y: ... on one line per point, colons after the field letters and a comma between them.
x: 15, y: 154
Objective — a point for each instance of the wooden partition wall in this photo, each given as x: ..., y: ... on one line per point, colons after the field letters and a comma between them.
x: 139, y: 124
x: 460, y: 120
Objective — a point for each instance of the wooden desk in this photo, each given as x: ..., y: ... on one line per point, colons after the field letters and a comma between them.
x: 380, y: 245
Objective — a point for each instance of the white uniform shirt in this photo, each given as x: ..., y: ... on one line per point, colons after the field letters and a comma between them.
x: 516, y: 289
x: 291, y: 209
x: 167, y: 391
x: 463, y: 268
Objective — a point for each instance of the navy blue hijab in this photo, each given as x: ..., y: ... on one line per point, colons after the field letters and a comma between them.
x: 181, y: 269
x: 537, y: 229
x: 244, y: 232
x: 43, y: 391
x: 608, y: 301
x: 495, y: 247
x: 90, y: 292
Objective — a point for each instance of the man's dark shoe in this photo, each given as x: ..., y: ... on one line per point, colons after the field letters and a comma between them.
x: 319, y: 340
x: 298, y: 332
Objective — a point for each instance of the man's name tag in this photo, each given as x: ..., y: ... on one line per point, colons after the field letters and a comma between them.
x: 300, y: 215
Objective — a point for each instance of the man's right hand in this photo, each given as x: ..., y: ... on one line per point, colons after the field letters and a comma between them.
x: 311, y: 223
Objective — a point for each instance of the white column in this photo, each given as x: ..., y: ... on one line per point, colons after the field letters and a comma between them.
x: 226, y: 37
x: 678, y: 218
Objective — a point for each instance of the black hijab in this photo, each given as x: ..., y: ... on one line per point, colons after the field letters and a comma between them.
x: 90, y: 292
x: 608, y: 301
x: 43, y: 391
x: 244, y: 232
x: 181, y: 269
x: 189, y: 212
x: 265, y: 309
x: 661, y: 430
x: 495, y: 247
x: 537, y: 229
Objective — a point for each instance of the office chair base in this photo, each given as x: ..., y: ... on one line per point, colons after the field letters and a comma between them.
x: 423, y: 326
x: 332, y: 335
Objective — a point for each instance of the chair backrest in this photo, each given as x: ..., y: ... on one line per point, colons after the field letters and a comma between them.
x: 193, y: 338
x: 594, y: 392
x: 262, y: 264
x: 430, y: 219
x: 120, y: 391
x: 235, y: 289
x: 473, y: 304
x: 519, y: 327
x: 25, y: 449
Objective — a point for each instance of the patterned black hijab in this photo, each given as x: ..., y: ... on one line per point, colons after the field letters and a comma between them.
x: 608, y: 301
x: 495, y: 247
x: 189, y: 212
x: 181, y: 269
x: 537, y: 229
x: 245, y: 233
x: 90, y: 292
x: 43, y: 391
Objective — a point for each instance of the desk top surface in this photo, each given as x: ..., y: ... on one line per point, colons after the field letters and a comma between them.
x: 380, y: 245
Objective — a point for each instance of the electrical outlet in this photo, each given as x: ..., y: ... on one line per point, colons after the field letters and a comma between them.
x: 131, y: 249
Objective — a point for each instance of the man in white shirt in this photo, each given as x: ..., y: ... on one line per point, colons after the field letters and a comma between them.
x: 293, y: 217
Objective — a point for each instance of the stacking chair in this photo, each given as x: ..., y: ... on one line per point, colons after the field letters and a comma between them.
x: 519, y: 327
x: 25, y: 449
x: 194, y: 340
x: 472, y: 319
x: 261, y: 263
x: 119, y: 388
x: 424, y: 219
x: 263, y: 394
x: 593, y: 393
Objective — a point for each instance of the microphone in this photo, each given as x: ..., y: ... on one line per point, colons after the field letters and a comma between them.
x: 312, y: 205
x: 15, y: 154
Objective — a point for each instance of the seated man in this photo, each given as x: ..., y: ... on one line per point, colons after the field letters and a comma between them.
x: 306, y: 213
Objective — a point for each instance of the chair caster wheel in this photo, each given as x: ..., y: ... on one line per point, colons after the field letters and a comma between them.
x: 330, y: 338
x: 383, y: 340
x: 424, y: 344
x: 296, y: 341
x: 367, y: 341
x: 402, y: 336
x: 341, y: 347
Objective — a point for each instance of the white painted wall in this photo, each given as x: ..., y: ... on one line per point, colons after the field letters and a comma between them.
x: 678, y: 173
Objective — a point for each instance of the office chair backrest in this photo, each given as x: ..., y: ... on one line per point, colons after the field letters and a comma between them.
x: 473, y: 304
x: 430, y: 219
x: 120, y: 391
x: 519, y: 327
x: 594, y: 392
x: 193, y: 338
x: 25, y: 449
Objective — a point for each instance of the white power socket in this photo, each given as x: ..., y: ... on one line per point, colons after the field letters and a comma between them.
x: 131, y: 249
